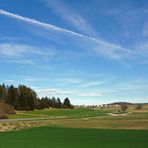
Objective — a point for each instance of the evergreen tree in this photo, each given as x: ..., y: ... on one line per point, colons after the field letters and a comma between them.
x: 59, y: 103
x: 25, y: 98
x: 53, y: 102
x: 67, y: 104
x: 3, y: 92
x: 12, y: 95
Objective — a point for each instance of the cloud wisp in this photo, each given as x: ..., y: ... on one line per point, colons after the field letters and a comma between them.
x: 92, y: 94
x: 17, y: 50
x: 69, y: 15
x: 39, y: 23
x: 111, y: 51
x: 69, y: 81
x: 52, y: 91
x: 14, y: 52
x: 92, y: 84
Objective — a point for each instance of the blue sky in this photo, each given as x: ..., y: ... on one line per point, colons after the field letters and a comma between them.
x: 92, y: 51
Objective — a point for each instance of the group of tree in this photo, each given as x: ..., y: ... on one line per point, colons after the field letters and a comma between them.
x: 53, y: 102
x: 25, y: 98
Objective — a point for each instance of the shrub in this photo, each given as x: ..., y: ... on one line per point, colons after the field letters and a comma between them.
x: 3, y: 116
x: 139, y: 106
x: 6, y: 109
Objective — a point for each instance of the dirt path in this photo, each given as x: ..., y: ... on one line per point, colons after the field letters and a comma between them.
x: 114, y: 115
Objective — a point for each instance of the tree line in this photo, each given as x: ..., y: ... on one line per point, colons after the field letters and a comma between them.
x: 25, y: 98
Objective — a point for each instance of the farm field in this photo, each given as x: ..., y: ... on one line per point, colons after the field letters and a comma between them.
x: 76, y: 128
x: 63, y: 113
x: 80, y: 113
x: 79, y: 118
x: 54, y: 137
x: 74, y: 74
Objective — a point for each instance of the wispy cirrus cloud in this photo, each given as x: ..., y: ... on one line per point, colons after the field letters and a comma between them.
x: 22, y: 53
x: 10, y: 38
x: 92, y: 94
x: 16, y: 50
x: 97, y: 46
x: 92, y: 84
x: 64, y: 92
x: 81, y: 82
x: 70, y: 16
x: 39, y: 23
x: 9, y: 81
x: 68, y: 81
x: 7, y: 50
x: 52, y: 91
x: 127, y: 90
x: 134, y: 36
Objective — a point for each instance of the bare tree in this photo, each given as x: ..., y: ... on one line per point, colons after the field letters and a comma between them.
x: 124, y: 106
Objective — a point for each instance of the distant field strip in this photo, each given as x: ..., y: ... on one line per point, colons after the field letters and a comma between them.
x: 90, y: 122
x: 72, y: 113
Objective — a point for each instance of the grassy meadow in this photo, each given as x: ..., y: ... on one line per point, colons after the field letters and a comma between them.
x: 51, y: 137
x: 106, y: 118
x: 76, y: 128
x: 61, y: 113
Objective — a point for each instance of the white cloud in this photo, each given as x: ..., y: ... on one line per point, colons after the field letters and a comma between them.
x: 20, y: 53
x: 18, y: 50
x: 9, y: 81
x: 92, y: 94
x: 69, y: 15
x: 80, y: 82
x: 20, y: 61
x: 69, y: 81
x: 35, y: 79
x: 92, y: 84
x: 52, y: 91
x: 100, y: 47
x: 38, y: 23
x: 11, y: 50
x: 129, y: 89
x: 11, y: 38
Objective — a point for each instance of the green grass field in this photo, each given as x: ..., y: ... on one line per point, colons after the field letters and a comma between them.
x: 106, y: 118
x: 76, y: 128
x: 54, y: 137
x: 80, y: 118
x: 65, y: 113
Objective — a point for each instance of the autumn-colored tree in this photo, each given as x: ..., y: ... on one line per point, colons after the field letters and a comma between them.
x: 124, y: 106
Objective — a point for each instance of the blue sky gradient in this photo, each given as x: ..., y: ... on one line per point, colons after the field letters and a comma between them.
x: 90, y: 51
